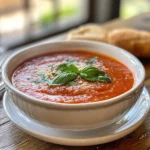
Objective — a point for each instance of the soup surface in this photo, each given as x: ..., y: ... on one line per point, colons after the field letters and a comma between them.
x: 28, y: 78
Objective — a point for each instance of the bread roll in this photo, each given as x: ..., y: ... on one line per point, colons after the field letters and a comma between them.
x: 136, y: 42
x: 88, y: 32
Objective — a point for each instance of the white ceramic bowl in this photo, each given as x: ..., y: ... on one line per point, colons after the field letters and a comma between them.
x: 75, y: 116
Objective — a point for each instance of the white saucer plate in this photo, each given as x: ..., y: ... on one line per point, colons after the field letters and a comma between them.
x: 132, y: 120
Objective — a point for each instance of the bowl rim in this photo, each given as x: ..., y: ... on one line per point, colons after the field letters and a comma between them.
x: 66, y: 105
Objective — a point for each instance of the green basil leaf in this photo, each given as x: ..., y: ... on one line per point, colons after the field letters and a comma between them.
x: 36, y: 81
x: 41, y: 75
x: 49, y: 81
x: 72, y: 83
x: 105, y: 78
x: 70, y: 61
x: 91, y: 60
x: 51, y: 65
x: 92, y: 71
x: 45, y: 78
x: 88, y: 77
x: 93, y: 74
x: 54, y: 73
x: 64, y: 78
x: 67, y: 67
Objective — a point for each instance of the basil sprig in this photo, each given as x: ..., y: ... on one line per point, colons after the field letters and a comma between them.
x: 68, y: 72
x: 44, y: 78
x: 67, y: 67
x: 93, y: 74
x: 64, y: 78
x: 71, y: 61
x: 91, y: 60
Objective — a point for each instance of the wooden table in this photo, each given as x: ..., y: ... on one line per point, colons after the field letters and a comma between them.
x: 12, y: 138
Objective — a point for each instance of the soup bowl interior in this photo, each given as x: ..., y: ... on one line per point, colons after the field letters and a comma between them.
x: 77, y: 116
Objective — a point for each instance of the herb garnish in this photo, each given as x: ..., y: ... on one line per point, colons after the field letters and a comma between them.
x: 36, y: 81
x: 64, y: 78
x: 68, y: 67
x: 51, y: 65
x: 44, y: 78
x: 70, y: 61
x: 72, y: 83
x: 93, y: 74
x: 68, y: 72
x: 54, y: 73
x: 91, y: 60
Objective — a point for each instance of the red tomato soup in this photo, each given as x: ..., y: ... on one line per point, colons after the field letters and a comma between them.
x: 28, y: 78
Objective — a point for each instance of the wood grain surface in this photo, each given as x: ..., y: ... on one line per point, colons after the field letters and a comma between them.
x: 12, y: 138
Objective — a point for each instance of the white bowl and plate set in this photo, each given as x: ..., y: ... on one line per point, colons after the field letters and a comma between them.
x: 77, y: 124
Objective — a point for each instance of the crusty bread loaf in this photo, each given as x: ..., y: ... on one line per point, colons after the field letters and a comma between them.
x: 88, y: 32
x: 135, y: 41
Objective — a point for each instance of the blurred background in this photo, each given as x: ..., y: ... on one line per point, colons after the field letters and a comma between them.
x: 26, y: 21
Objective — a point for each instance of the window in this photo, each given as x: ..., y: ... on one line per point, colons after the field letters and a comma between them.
x: 129, y: 8
x: 23, y: 21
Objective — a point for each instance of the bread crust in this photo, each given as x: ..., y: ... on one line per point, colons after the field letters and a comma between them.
x: 89, y: 32
x: 134, y: 41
